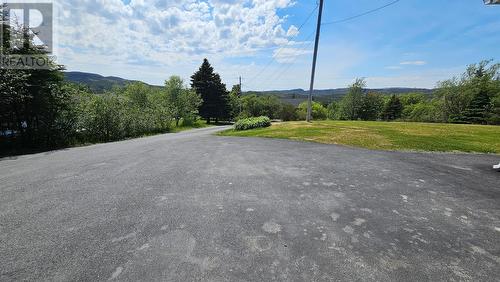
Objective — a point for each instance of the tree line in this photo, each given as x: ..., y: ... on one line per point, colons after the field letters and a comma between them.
x: 40, y: 110
x: 472, y: 98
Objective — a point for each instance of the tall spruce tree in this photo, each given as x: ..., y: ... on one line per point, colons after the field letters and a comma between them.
x: 215, y: 97
x: 494, y: 117
x: 478, y: 109
x: 393, y: 109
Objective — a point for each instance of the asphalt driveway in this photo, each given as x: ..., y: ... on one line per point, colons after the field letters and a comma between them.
x: 192, y: 206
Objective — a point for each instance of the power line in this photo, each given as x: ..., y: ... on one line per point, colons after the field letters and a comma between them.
x: 362, y: 14
x: 284, y: 68
x: 284, y: 71
x: 283, y: 46
x: 281, y: 71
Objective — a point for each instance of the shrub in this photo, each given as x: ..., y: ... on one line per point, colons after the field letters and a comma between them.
x: 250, y: 123
x: 422, y: 112
x: 288, y: 113
x: 333, y: 111
x: 255, y: 106
x: 319, y: 112
x: 371, y: 106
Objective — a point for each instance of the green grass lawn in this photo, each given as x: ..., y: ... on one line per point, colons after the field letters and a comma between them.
x: 407, y: 136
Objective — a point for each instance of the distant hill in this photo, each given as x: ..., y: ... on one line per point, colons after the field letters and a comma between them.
x: 297, y: 96
x: 96, y: 83
x: 99, y: 84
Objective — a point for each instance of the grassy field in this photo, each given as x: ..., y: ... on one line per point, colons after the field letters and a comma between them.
x: 386, y: 135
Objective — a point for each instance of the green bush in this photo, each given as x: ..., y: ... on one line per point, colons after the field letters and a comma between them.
x: 255, y: 106
x: 250, y: 123
x: 319, y: 112
x: 114, y: 115
x: 288, y: 113
x: 422, y: 112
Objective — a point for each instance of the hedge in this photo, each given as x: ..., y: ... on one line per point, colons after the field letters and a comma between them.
x: 250, y: 123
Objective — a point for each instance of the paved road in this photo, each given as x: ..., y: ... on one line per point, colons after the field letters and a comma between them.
x: 193, y: 206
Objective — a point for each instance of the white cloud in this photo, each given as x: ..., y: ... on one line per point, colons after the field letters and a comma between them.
x: 414, y: 63
x: 289, y: 55
x: 292, y: 31
x: 169, y: 32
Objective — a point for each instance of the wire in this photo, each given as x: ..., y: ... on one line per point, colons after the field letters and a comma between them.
x: 274, y: 77
x: 282, y: 70
x: 283, y: 46
x: 308, y: 17
x: 362, y: 14
x: 278, y: 78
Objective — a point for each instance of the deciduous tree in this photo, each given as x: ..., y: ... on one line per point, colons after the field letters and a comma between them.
x: 371, y: 107
x: 350, y: 105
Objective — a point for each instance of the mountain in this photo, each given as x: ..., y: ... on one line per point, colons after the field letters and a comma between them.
x: 297, y: 96
x: 99, y: 84
x: 96, y: 83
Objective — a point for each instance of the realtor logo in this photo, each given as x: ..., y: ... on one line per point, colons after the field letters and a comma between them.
x: 23, y: 24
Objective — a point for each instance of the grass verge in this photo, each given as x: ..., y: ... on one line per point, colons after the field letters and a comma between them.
x: 406, y: 136
x: 197, y: 124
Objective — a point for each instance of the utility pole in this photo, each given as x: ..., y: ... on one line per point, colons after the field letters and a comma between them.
x: 315, y: 56
x: 241, y: 91
x: 241, y: 95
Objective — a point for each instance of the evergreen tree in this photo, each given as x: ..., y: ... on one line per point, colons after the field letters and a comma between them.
x: 478, y: 109
x: 494, y: 117
x: 209, y: 86
x: 393, y: 108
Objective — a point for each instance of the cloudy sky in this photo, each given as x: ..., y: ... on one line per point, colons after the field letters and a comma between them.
x: 412, y: 43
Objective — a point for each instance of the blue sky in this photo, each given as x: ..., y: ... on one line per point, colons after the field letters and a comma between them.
x: 412, y: 43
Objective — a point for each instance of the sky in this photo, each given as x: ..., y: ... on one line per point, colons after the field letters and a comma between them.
x: 269, y: 43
